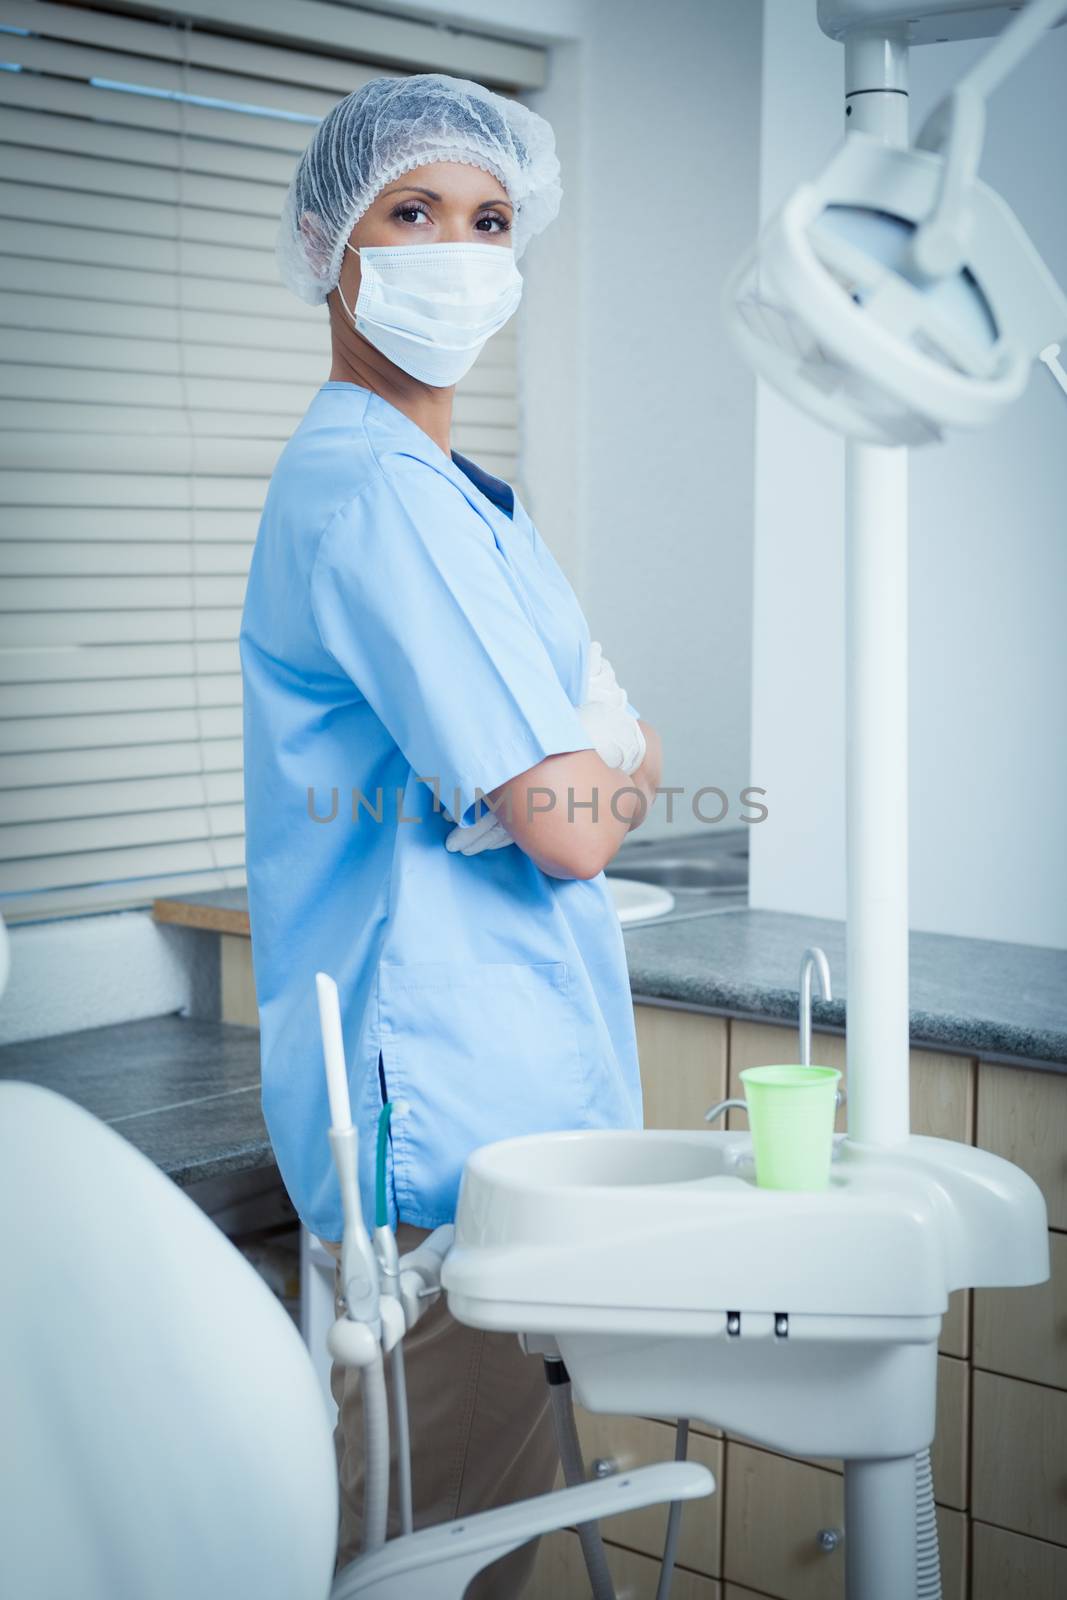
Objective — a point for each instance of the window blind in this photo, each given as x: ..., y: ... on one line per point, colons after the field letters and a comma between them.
x: 152, y: 368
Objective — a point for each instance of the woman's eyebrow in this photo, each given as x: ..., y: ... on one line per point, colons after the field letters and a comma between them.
x: 432, y: 195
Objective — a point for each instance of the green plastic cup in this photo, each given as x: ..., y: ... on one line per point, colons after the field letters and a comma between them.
x: 791, y: 1112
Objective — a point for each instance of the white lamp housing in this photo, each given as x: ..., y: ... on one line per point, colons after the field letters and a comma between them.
x: 830, y: 307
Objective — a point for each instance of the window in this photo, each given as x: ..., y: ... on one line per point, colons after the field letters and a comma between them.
x: 152, y: 368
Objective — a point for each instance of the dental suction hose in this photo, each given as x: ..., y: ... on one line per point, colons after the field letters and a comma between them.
x: 674, y: 1517
x: 928, y: 1553
x: 570, y: 1455
x: 385, y: 1249
x: 357, y: 1338
x: 375, y: 1454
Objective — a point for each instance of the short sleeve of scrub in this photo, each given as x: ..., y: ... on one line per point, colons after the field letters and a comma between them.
x: 419, y: 607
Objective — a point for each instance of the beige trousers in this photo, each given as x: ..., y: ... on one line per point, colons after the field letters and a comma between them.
x: 481, y: 1433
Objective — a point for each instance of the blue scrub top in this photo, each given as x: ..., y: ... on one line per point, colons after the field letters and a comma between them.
x: 408, y: 640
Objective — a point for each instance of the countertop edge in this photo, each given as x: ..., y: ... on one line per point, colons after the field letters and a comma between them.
x: 983, y: 1038
x: 1054, y: 1061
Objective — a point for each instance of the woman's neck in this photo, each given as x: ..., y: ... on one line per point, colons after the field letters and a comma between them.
x: 429, y: 408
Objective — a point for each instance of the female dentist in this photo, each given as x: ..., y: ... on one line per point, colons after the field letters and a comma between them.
x: 408, y: 646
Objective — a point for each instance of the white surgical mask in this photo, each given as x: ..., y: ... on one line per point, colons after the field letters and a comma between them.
x: 431, y: 307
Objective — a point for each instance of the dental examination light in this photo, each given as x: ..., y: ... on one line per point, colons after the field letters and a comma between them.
x: 897, y: 296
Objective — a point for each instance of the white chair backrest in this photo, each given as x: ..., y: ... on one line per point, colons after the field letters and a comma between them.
x: 163, y: 1428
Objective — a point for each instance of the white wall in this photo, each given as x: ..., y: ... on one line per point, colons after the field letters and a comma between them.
x: 669, y: 171
x: 988, y: 554
x: 638, y: 417
x: 89, y: 972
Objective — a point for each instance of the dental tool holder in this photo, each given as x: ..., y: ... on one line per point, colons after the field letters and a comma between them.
x: 674, y: 1286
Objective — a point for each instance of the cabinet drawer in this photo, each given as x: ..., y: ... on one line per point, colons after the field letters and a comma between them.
x: 774, y: 1509
x: 1020, y: 1457
x: 1023, y: 1332
x: 559, y: 1574
x: 1023, y: 1116
x: 683, y: 1064
x: 636, y: 1442
x: 1007, y: 1566
x: 942, y: 1104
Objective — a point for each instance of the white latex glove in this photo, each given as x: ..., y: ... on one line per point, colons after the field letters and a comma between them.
x: 600, y: 681
x: 488, y: 833
x: 615, y: 733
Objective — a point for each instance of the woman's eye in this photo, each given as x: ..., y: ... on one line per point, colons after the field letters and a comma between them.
x: 415, y: 215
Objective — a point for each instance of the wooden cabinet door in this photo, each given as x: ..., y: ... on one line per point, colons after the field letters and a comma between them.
x: 1007, y: 1566
x: 1022, y: 1333
x: 776, y: 1507
x: 1022, y: 1116
x: 683, y: 1064
x: 559, y: 1574
x: 1020, y: 1457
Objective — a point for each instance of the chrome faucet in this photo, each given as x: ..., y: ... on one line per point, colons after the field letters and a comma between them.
x: 814, y: 959
x: 725, y: 1105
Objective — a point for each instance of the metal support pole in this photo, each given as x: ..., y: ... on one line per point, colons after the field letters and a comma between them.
x: 876, y: 700
x: 881, y: 1540
x: 881, y: 1551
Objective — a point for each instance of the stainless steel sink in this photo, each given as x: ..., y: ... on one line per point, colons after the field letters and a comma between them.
x: 703, y: 871
x: 674, y: 872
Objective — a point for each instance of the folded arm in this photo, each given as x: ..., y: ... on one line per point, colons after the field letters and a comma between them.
x: 570, y: 813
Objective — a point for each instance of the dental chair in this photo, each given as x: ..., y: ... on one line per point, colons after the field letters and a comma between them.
x: 164, y: 1426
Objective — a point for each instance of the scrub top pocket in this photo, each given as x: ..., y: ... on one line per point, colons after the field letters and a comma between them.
x: 480, y: 1052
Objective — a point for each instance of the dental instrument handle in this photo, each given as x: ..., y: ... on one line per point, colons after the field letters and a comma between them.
x: 388, y: 1260
x: 1050, y: 356
x: 333, y: 1050
x: 420, y: 1273
x: 428, y: 1257
x: 359, y: 1269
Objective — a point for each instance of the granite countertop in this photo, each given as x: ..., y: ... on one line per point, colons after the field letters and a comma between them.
x: 982, y: 997
x: 186, y: 1093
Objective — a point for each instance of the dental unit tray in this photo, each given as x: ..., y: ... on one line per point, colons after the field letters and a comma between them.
x: 674, y: 1286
